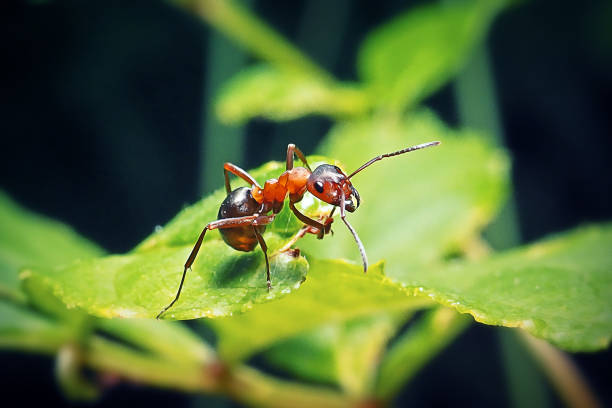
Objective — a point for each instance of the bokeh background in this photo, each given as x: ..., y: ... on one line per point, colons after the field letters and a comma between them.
x: 106, y: 122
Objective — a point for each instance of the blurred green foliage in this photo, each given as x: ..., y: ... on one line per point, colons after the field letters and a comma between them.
x: 421, y: 218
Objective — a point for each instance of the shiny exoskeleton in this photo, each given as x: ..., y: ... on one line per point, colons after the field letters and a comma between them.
x: 245, y: 212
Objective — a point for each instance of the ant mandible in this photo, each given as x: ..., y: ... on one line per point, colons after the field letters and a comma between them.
x: 243, y: 217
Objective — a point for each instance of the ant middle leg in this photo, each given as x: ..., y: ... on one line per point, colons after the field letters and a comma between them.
x: 291, y: 149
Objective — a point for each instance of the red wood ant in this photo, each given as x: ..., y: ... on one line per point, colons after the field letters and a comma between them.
x: 243, y: 217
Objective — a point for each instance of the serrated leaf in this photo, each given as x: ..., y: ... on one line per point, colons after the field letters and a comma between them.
x: 139, y: 285
x: 280, y: 95
x: 442, y: 198
x: 558, y: 289
x: 27, y: 238
x: 222, y: 281
x: 415, y: 209
x: 413, y: 55
x: 335, y: 291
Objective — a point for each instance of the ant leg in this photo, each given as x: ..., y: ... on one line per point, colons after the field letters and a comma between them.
x: 255, y: 219
x: 308, y: 229
x: 264, y: 248
x: 300, y: 234
x: 291, y: 148
x: 329, y: 220
x: 307, y: 220
x: 228, y: 186
x: 188, y: 263
x: 232, y: 168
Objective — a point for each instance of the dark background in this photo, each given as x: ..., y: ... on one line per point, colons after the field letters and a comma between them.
x: 102, y: 106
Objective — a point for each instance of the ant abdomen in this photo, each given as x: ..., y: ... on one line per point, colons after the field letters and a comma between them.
x: 240, y: 203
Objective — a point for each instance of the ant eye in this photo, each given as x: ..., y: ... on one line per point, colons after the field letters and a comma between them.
x: 318, y: 186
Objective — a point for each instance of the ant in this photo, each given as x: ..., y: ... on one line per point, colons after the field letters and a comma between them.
x: 243, y: 217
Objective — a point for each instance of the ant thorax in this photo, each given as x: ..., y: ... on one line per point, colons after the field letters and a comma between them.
x: 274, y: 191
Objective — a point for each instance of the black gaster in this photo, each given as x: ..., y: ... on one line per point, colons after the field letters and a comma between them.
x: 240, y: 203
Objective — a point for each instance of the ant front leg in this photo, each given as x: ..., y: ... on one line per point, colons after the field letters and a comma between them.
x: 309, y: 229
x: 307, y: 220
x: 291, y: 149
x: 328, y: 221
x: 255, y: 219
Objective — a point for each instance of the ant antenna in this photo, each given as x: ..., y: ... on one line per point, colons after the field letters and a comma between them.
x: 382, y: 156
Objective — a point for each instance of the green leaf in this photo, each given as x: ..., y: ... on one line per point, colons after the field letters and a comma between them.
x: 22, y: 329
x: 139, y: 285
x: 41, y: 299
x: 284, y: 95
x: 557, y: 289
x: 309, y: 355
x: 335, y: 291
x: 223, y: 281
x: 346, y: 353
x: 171, y: 340
x: 410, y: 57
x: 30, y: 239
x: 359, y: 349
x: 419, y: 207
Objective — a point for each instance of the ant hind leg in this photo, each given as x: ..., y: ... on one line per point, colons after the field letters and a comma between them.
x: 188, y: 263
x: 222, y: 223
x: 264, y: 248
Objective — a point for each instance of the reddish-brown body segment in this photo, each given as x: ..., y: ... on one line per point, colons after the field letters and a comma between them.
x: 272, y: 195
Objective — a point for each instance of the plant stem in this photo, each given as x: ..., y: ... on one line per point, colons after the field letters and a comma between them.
x: 255, y: 36
x: 254, y: 388
x: 111, y: 358
x: 524, y: 380
x: 241, y: 383
x: 477, y: 106
x: 562, y: 372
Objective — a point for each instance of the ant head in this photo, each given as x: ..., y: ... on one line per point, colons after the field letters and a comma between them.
x: 329, y: 183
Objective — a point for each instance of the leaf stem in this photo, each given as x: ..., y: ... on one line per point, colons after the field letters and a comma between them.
x: 562, y: 372
x: 239, y: 382
x: 255, y: 388
x: 255, y: 36
x: 112, y: 358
